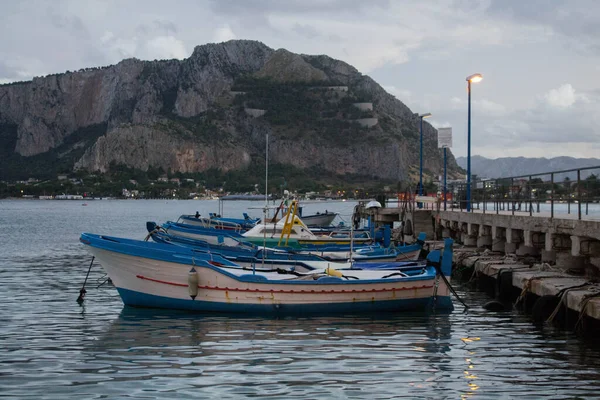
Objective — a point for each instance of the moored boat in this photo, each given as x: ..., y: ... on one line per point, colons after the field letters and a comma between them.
x: 148, y: 274
x: 195, y: 236
x: 218, y: 222
x: 319, y: 219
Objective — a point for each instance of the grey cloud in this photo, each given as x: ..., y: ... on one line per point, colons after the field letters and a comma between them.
x: 248, y: 7
x: 70, y: 23
x: 577, y: 21
x: 9, y: 72
x: 306, y: 31
x: 310, y: 32
x: 157, y: 27
x: 547, y: 124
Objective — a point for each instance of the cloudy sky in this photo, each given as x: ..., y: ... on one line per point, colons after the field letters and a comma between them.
x: 540, y: 59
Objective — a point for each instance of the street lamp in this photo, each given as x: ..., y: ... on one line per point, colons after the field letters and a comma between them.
x: 471, y: 78
x: 421, y: 117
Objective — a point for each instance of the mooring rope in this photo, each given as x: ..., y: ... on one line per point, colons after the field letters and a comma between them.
x: 82, y: 291
x: 584, y: 303
x: 562, y: 295
x: 527, y: 285
x: 155, y: 230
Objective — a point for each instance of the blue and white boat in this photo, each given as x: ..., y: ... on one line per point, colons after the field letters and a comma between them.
x: 148, y: 274
x: 248, y: 255
x: 218, y: 236
x: 217, y: 222
x: 223, y: 243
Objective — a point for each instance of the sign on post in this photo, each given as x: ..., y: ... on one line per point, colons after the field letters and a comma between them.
x: 444, y: 137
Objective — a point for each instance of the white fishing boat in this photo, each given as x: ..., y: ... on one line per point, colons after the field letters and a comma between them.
x: 148, y: 274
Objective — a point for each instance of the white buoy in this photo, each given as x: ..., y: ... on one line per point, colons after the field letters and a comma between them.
x: 193, y: 283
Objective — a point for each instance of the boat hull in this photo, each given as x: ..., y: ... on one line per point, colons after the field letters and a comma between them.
x: 145, y: 300
x: 156, y: 283
x: 317, y: 220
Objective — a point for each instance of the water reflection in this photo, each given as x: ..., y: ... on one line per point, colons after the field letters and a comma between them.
x: 339, y: 355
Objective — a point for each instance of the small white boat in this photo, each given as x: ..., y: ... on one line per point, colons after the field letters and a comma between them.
x: 319, y: 219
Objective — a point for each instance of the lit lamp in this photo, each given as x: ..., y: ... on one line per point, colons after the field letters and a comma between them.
x: 471, y: 78
x: 421, y: 117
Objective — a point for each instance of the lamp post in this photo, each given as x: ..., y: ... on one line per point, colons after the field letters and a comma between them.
x: 421, y: 117
x: 445, y: 141
x: 471, y: 78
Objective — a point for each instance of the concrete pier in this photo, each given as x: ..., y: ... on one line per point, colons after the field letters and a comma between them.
x: 538, y: 279
x: 553, y: 256
x: 565, y: 241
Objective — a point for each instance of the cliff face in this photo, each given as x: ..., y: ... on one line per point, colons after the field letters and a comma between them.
x: 189, y: 115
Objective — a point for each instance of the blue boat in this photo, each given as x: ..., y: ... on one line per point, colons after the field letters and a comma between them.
x: 202, y: 237
x: 217, y: 222
x: 148, y: 274
x: 218, y: 236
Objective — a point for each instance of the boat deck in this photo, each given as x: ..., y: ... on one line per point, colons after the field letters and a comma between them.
x: 351, y: 274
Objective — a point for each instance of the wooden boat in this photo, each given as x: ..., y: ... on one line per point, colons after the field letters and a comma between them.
x: 332, y: 251
x: 298, y: 236
x: 319, y: 219
x: 247, y: 254
x: 148, y: 274
x: 217, y: 222
x: 292, y: 229
x: 407, y: 252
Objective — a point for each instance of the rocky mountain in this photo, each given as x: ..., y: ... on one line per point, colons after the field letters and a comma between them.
x: 519, y: 166
x: 213, y: 110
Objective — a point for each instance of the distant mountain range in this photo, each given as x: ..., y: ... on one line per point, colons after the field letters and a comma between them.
x: 518, y: 166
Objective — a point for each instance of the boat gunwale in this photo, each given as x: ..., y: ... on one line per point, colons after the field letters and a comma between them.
x: 108, y: 243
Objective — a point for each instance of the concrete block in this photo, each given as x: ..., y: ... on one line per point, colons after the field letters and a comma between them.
x: 595, y: 261
x: 594, y: 248
x: 549, y: 245
x: 510, y: 248
x: 566, y: 261
x: 498, y: 245
x: 549, y: 256
x: 527, y: 251
x: 575, y: 245
x: 470, y: 240
x: 484, y: 241
x: 527, y: 238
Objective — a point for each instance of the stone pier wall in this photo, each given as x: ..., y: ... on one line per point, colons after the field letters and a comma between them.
x: 568, y: 243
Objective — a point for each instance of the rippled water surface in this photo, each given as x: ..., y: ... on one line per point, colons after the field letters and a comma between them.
x: 50, y: 347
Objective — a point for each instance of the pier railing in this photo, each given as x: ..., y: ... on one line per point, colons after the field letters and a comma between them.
x: 575, y: 192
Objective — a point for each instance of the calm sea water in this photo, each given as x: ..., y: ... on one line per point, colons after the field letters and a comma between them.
x: 50, y: 347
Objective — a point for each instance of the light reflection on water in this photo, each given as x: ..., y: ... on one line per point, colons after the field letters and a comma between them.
x: 50, y: 347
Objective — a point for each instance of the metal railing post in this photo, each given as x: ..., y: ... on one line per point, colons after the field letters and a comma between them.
x: 552, y: 196
x: 529, y: 199
x: 484, y: 202
x: 578, y: 194
x: 512, y: 201
x: 497, y: 200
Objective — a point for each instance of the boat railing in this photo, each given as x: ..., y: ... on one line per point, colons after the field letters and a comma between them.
x: 227, y: 225
x: 212, y: 223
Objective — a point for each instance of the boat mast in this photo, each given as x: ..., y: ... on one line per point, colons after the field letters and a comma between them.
x: 267, y: 172
x: 351, y: 241
x: 266, y: 200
